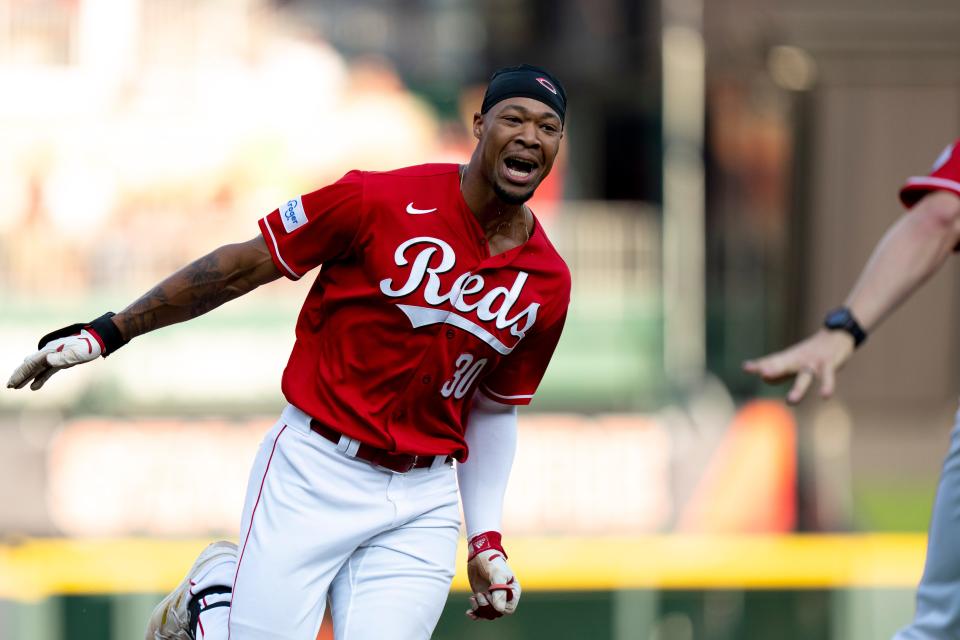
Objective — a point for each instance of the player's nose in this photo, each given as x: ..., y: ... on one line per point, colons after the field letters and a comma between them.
x: 527, y: 135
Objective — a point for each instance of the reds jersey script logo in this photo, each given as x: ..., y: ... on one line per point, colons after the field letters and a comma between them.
x: 466, y: 295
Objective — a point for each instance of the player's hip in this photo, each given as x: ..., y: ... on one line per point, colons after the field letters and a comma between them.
x: 311, y: 468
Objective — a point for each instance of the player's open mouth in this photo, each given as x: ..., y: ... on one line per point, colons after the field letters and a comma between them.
x: 519, y: 170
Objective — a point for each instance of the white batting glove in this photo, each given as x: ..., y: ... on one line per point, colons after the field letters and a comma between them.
x: 55, y: 355
x: 496, y: 591
x: 67, y: 347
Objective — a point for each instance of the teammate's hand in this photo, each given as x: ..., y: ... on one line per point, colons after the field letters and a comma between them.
x: 819, y: 356
x: 53, y: 356
x: 496, y: 591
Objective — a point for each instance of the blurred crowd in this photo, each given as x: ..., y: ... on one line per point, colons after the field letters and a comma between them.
x: 151, y: 139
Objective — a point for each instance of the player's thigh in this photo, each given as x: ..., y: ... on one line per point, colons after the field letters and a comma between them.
x: 293, y: 538
x: 396, y: 585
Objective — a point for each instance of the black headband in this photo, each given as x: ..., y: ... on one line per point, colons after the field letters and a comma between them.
x: 526, y: 81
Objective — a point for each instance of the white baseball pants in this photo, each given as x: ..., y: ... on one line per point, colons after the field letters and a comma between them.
x: 938, y: 596
x: 318, y: 524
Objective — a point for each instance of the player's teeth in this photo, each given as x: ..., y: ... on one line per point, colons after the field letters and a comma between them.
x: 518, y: 174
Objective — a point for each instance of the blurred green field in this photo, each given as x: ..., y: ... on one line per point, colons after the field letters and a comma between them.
x: 544, y: 615
x: 893, y: 504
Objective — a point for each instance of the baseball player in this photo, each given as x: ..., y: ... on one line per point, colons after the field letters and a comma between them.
x: 436, y: 311
x: 911, y: 251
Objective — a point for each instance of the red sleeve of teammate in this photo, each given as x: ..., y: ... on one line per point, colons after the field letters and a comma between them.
x: 316, y: 227
x: 517, y: 377
x: 944, y: 176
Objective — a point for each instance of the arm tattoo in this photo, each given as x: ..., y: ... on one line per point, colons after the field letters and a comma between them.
x: 141, y: 316
x: 208, y: 291
x: 201, y: 286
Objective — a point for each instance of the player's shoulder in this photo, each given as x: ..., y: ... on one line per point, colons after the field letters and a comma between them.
x: 944, y: 175
x: 549, y: 258
x: 431, y: 170
x: 553, y: 255
x: 949, y: 155
x: 386, y: 185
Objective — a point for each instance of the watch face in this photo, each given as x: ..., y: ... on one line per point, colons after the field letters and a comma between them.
x: 842, y: 319
x: 837, y: 318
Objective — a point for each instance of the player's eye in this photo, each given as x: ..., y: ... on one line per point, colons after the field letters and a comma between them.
x: 512, y: 119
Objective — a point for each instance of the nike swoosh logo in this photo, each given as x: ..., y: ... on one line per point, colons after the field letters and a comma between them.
x: 412, y: 210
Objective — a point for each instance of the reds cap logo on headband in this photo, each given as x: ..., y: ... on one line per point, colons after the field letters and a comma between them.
x: 526, y: 81
x: 548, y: 85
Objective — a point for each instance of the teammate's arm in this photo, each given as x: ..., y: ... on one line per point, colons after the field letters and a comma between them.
x: 911, y: 251
x: 206, y: 283
x: 492, y: 440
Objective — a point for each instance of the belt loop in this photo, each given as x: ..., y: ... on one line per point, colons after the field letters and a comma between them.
x: 438, y: 461
x: 353, y: 445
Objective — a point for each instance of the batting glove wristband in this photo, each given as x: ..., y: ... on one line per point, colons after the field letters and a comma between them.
x: 65, y: 348
x: 496, y: 590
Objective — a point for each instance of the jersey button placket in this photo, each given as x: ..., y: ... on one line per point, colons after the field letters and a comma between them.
x: 426, y: 379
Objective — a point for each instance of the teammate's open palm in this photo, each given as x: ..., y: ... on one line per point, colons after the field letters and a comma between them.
x: 53, y: 356
x: 819, y: 356
x: 496, y: 591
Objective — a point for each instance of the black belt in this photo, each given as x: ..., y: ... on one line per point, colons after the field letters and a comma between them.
x: 399, y: 462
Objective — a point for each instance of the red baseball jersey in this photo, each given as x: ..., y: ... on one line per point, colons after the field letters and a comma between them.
x: 410, y: 313
x: 944, y: 176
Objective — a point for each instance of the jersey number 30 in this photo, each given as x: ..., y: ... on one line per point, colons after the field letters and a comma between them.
x: 467, y: 371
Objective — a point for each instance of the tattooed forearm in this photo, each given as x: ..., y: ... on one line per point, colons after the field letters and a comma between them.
x: 205, y: 270
x: 141, y: 316
x: 203, y: 285
x: 208, y: 270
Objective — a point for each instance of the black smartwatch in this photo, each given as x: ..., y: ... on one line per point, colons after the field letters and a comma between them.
x: 841, y: 319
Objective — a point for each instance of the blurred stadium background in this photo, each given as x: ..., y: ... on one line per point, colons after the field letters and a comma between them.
x: 728, y: 166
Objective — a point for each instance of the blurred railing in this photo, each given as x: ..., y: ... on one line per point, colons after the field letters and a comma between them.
x: 613, y: 249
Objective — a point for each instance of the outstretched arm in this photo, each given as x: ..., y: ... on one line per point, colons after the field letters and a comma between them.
x: 201, y: 286
x: 911, y: 251
x: 204, y: 284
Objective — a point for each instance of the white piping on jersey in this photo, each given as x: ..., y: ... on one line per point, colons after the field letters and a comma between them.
x: 423, y: 316
x: 931, y: 181
x: 487, y: 389
x: 295, y: 275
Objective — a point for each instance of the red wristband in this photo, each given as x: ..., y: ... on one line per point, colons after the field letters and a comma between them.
x: 483, y: 542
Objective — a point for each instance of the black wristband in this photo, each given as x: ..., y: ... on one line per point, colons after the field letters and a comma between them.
x: 841, y: 319
x: 102, y: 326
x: 108, y: 332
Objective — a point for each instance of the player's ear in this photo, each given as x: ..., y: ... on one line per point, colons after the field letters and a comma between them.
x: 477, y: 124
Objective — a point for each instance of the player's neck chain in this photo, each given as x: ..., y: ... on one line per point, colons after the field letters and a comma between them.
x: 503, y: 227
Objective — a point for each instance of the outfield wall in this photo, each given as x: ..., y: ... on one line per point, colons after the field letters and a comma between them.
x: 852, y: 587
